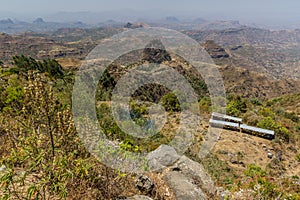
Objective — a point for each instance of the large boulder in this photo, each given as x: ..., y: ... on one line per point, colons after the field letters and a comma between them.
x: 189, y: 180
x: 183, y: 187
x: 163, y: 156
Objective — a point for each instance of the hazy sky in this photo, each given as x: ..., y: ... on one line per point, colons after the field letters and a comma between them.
x: 255, y: 10
x: 273, y: 6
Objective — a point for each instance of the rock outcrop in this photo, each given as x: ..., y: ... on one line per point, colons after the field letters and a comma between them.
x: 215, y: 50
x: 155, y: 52
x: 187, y: 178
x: 136, y: 25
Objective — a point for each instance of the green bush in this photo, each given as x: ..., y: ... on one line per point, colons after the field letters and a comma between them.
x: 256, y: 102
x: 267, y: 112
x: 52, y: 67
x: 255, y: 171
x: 236, y: 106
x: 170, y: 102
x: 280, y: 131
x: 273, y: 101
x: 11, y: 94
x: 205, y: 104
x: 14, y: 94
x: 108, y: 124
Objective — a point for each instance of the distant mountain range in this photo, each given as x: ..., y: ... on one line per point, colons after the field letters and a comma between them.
x: 39, y: 25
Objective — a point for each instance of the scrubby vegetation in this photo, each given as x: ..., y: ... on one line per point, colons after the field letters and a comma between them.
x: 265, y: 186
x: 40, y: 149
x: 44, y: 157
x: 271, y: 114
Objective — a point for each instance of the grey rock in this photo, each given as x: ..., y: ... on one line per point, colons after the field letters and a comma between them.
x: 234, y: 162
x: 162, y: 157
x: 195, y: 171
x: 270, y: 155
x: 183, y: 187
x: 139, y: 197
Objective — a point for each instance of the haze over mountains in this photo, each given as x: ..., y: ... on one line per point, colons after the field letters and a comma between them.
x: 11, y: 22
x: 40, y: 25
